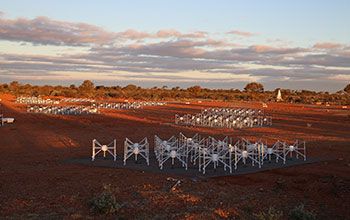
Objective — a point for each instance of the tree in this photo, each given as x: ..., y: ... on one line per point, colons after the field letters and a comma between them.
x: 14, y: 84
x: 194, y: 89
x: 45, y: 90
x: 347, y: 88
x: 87, y: 85
x: 130, y: 87
x: 14, y: 87
x: 87, y: 88
x: 254, y: 87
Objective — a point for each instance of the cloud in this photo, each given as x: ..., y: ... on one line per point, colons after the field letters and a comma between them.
x: 184, y: 61
x: 218, y: 43
x: 131, y: 34
x: 44, y: 31
x: 164, y: 55
x: 327, y: 45
x: 280, y: 41
x: 262, y: 48
x: 242, y: 33
x: 178, y: 48
x: 298, y: 73
x: 275, y: 40
x: 181, y: 49
x: 277, y: 50
x: 325, y: 60
x: 176, y: 33
x: 178, y: 56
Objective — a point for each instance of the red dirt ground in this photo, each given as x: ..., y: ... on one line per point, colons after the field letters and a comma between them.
x: 34, y: 184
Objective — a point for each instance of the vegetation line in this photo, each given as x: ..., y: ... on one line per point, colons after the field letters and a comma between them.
x: 252, y: 92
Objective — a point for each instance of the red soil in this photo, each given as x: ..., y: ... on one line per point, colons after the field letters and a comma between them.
x: 34, y: 184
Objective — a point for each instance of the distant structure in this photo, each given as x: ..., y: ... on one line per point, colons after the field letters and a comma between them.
x: 279, y: 96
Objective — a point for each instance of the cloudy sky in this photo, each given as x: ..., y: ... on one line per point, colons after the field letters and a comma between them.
x: 291, y: 44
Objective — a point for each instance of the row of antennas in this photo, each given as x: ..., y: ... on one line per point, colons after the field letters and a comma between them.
x: 63, y: 110
x: 36, y: 100
x: 225, y: 118
x: 223, y: 153
x: 138, y: 150
x: 40, y: 100
x: 205, y: 152
x: 81, y: 100
x: 126, y: 105
x: 232, y: 111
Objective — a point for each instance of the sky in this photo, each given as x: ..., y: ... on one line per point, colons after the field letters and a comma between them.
x: 289, y: 44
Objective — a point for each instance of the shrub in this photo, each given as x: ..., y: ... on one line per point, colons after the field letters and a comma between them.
x: 347, y: 88
x: 299, y: 213
x: 105, y: 202
x: 254, y: 87
x: 271, y: 214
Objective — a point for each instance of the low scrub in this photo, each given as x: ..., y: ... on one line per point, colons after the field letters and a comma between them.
x: 104, y: 203
x: 299, y: 213
x: 271, y: 214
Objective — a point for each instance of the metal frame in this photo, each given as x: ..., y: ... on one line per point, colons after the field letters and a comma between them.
x: 216, y: 153
x: 298, y: 147
x: 141, y: 148
x: 194, y: 145
x: 97, y: 147
x: 171, y: 149
x: 277, y: 151
x: 246, y: 150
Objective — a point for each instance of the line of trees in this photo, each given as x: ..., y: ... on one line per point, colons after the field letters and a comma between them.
x: 252, y: 92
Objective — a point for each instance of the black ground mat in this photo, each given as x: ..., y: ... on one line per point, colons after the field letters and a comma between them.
x: 192, y: 171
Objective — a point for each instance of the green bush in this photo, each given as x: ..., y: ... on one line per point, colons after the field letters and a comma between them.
x: 104, y: 203
x: 299, y: 213
x: 271, y: 214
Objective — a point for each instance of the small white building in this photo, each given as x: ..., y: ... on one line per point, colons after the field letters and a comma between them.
x: 279, y: 96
